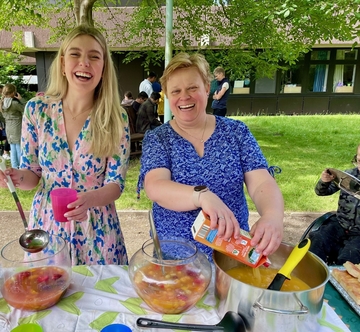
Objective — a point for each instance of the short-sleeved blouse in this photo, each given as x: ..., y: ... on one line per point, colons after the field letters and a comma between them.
x: 229, y: 153
x: 45, y: 151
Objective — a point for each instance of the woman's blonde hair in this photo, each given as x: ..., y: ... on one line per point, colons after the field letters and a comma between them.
x: 185, y: 60
x: 9, y: 89
x: 108, y: 118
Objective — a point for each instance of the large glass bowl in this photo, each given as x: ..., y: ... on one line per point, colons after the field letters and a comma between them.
x: 175, y: 283
x: 35, y: 281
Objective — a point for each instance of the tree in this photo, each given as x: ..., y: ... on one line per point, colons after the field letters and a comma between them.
x: 12, y: 72
x: 258, y: 36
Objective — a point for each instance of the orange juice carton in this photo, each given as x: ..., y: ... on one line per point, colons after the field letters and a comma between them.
x: 239, y: 249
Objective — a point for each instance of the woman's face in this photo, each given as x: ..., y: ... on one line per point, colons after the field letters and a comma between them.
x: 187, y: 94
x: 83, y: 63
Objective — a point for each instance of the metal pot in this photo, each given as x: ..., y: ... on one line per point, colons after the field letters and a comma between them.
x: 268, y: 310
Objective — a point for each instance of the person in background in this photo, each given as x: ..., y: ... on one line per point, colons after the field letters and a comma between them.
x: 338, y: 239
x: 221, y: 94
x: 12, y: 108
x: 77, y: 136
x: 160, y: 108
x: 147, y: 117
x: 141, y: 98
x: 4, y: 145
x: 156, y: 86
x: 199, y: 161
x: 128, y: 99
x: 146, y: 84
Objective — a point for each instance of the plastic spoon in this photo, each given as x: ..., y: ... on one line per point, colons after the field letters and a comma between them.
x: 31, y: 241
x: 292, y: 261
x: 231, y: 322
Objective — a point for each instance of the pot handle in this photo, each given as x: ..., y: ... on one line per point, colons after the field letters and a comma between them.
x: 303, y: 309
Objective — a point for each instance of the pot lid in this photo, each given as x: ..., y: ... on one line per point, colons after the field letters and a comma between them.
x: 346, y: 182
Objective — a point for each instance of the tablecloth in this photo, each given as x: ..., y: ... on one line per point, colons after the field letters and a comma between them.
x: 100, y: 295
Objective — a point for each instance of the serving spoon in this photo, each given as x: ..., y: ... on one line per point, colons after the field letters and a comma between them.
x: 156, y: 240
x: 296, y: 255
x: 33, y: 240
x: 231, y: 322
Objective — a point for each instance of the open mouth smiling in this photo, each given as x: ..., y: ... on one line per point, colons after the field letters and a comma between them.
x: 185, y: 107
x: 83, y: 75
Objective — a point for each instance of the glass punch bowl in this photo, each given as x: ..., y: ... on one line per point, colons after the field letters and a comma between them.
x: 35, y: 281
x: 175, y: 283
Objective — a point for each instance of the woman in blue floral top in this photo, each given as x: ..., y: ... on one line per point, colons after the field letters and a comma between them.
x: 200, y: 161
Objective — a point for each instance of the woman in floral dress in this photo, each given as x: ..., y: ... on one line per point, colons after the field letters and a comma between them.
x: 77, y: 136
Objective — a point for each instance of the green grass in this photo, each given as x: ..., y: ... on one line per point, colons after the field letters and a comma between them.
x: 301, y: 145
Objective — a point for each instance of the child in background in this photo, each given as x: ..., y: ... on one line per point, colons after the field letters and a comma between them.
x: 338, y: 240
x: 12, y: 108
x: 128, y: 99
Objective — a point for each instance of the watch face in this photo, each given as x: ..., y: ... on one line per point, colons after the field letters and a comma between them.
x: 200, y: 188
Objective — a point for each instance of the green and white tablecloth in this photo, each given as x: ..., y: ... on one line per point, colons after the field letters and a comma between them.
x: 100, y: 295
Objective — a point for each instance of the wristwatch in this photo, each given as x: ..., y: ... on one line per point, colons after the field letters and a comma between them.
x: 198, y: 190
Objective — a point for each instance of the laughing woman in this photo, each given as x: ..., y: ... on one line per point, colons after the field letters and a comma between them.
x: 77, y: 136
x: 201, y: 161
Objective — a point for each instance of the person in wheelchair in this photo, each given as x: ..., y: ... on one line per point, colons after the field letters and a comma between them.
x: 337, y: 240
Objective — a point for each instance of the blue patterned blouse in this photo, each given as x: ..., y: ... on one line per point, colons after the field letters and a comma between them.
x: 230, y: 152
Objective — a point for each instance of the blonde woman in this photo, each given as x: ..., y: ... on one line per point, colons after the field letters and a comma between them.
x: 77, y: 136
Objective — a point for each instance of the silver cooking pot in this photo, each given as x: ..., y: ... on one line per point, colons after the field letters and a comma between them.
x: 268, y: 310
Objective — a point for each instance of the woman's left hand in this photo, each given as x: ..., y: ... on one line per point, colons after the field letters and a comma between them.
x: 80, y: 206
x: 267, y: 234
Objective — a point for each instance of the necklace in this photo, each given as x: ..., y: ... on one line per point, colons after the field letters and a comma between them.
x: 72, y: 113
x: 199, y: 139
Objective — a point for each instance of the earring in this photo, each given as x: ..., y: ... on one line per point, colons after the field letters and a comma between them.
x: 64, y: 73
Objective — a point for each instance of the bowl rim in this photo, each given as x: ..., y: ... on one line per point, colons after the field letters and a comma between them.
x: 24, y: 260
x: 181, y: 241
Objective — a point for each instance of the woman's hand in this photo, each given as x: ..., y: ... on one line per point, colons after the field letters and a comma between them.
x: 267, y: 234
x: 81, y: 206
x: 220, y: 215
x: 15, y: 175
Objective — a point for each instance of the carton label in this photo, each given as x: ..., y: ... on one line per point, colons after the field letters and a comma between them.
x: 239, y: 249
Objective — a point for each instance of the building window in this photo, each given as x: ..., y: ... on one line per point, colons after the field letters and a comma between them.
x: 291, y: 80
x: 344, y: 74
x: 242, y: 86
x: 318, y: 75
x: 319, y: 70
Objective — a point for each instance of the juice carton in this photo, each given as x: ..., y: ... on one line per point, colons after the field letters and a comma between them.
x: 238, y: 249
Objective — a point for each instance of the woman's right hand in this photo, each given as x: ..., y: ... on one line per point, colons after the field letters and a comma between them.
x: 14, y: 174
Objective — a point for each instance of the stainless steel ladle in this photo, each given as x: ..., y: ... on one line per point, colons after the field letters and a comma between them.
x: 33, y: 240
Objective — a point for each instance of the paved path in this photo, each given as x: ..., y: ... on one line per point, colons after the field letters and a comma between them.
x: 135, y: 227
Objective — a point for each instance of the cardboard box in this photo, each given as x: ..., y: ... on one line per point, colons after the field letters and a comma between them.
x: 239, y: 249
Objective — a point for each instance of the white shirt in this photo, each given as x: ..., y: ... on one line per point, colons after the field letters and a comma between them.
x: 146, y: 86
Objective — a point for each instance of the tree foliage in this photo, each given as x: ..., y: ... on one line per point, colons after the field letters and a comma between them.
x: 257, y: 36
x: 12, y: 72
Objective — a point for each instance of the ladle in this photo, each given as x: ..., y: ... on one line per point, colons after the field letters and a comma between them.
x: 156, y: 240
x: 231, y: 322
x: 31, y: 241
x: 292, y: 261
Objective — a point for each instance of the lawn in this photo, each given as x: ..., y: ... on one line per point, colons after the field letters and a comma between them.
x: 302, y: 146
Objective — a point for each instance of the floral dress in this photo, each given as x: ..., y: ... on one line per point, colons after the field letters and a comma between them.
x: 229, y: 153
x: 45, y: 151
